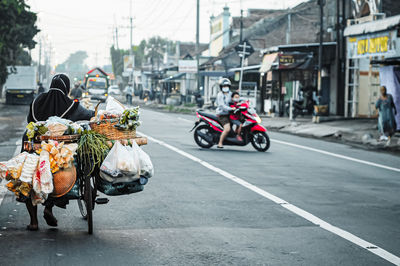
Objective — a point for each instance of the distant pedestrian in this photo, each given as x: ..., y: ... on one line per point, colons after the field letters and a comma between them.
x: 76, y: 92
x: 387, y: 110
x: 129, y: 91
x: 41, y: 88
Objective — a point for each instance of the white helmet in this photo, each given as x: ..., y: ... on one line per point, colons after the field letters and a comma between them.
x: 224, y: 82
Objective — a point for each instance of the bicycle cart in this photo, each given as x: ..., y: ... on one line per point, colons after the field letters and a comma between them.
x: 87, y: 185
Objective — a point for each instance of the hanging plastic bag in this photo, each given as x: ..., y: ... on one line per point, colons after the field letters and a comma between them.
x: 120, y: 164
x: 113, y: 106
x: 134, y: 154
x: 146, y: 166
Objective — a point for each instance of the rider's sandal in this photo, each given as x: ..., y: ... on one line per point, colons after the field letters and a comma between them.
x: 220, y: 147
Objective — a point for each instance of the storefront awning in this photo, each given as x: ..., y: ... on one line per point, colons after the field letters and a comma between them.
x: 174, y: 77
x: 372, y: 26
x: 267, y: 62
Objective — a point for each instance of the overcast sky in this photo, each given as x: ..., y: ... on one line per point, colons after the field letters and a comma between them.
x: 88, y: 25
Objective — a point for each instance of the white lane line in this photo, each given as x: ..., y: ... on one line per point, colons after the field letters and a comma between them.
x: 186, y: 120
x: 337, y: 155
x: 292, y: 208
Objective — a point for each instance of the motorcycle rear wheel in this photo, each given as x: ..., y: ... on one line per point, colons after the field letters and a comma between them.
x: 201, y: 141
x: 260, y: 141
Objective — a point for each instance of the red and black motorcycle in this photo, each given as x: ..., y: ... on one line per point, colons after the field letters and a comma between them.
x: 208, y: 130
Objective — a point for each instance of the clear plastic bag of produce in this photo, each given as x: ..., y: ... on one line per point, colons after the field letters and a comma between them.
x: 121, y: 164
x: 146, y: 166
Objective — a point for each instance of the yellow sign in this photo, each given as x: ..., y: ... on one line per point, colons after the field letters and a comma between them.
x: 375, y: 45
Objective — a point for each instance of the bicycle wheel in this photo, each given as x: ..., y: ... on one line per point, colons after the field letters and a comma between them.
x: 89, y: 204
x: 81, y: 200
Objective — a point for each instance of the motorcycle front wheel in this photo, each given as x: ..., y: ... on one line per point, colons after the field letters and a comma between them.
x: 199, y: 134
x: 260, y: 141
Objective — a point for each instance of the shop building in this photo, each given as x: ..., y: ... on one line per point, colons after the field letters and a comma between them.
x: 373, y: 50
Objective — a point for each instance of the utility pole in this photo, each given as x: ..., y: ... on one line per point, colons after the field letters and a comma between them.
x: 321, y: 39
x: 40, y: 59
x: 241, y: 25
x: 197, y: 43
x: 116, y: 38
x: 130, y: 44
x: 289, y: 28
x: 338, y: 57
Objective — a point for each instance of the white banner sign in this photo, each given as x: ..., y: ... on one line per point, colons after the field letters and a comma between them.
x: 129, y: 63
x: 187, y: 66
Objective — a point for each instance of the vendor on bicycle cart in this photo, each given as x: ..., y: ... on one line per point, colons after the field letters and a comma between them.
x: 53, y: 103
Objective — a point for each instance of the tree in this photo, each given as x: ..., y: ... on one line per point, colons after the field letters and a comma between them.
x: 74, y: 65
x: 156, y: 47
x: 17, y: 29
x: 153, y: 49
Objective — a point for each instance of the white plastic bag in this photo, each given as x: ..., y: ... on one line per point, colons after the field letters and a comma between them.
x: 121, y: 163
x: 113, y: 106
x: 146, y: 166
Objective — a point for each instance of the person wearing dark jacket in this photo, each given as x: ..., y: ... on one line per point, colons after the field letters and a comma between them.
x: 76, y: 92
x: 55, y: 102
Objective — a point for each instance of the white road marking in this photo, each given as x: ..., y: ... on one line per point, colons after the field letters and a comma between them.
x: 337, y: 155
x: 186, y: 120
x: 292, y: 208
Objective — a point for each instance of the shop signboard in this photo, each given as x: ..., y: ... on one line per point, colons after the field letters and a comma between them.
x: 375, y: 44
x: 295, y: 60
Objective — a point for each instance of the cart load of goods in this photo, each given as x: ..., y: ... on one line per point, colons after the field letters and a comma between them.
x: 105, y: 147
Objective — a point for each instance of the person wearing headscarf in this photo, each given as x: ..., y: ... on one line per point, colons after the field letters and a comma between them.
x: 387, y: 111
x: 55, y: 102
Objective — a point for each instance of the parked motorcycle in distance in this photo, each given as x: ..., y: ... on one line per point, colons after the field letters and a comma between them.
x: 208, y: 129
x: 301, y: 107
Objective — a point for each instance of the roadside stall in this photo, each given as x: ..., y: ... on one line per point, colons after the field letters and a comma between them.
x: 64, y: 160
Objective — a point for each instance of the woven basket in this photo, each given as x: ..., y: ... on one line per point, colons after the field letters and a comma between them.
x: 64, y: 138
x: 106, y: 127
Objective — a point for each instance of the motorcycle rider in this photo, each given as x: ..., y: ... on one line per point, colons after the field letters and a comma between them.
x: 223, y: 108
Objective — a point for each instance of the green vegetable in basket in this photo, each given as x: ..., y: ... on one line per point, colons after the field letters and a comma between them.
x: 92, y: 150
x: 35, y: 129
x: 129, y: 119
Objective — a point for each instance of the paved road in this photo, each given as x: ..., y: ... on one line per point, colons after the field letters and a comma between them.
x: 193, y: 213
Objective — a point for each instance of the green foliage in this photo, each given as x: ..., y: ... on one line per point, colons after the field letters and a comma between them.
x: 75, y: 65
x: 17, y: 29
x: 154, y: 49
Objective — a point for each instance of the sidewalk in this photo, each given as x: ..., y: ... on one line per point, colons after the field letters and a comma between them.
x: 362, y: 133
x: 359, y: 132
